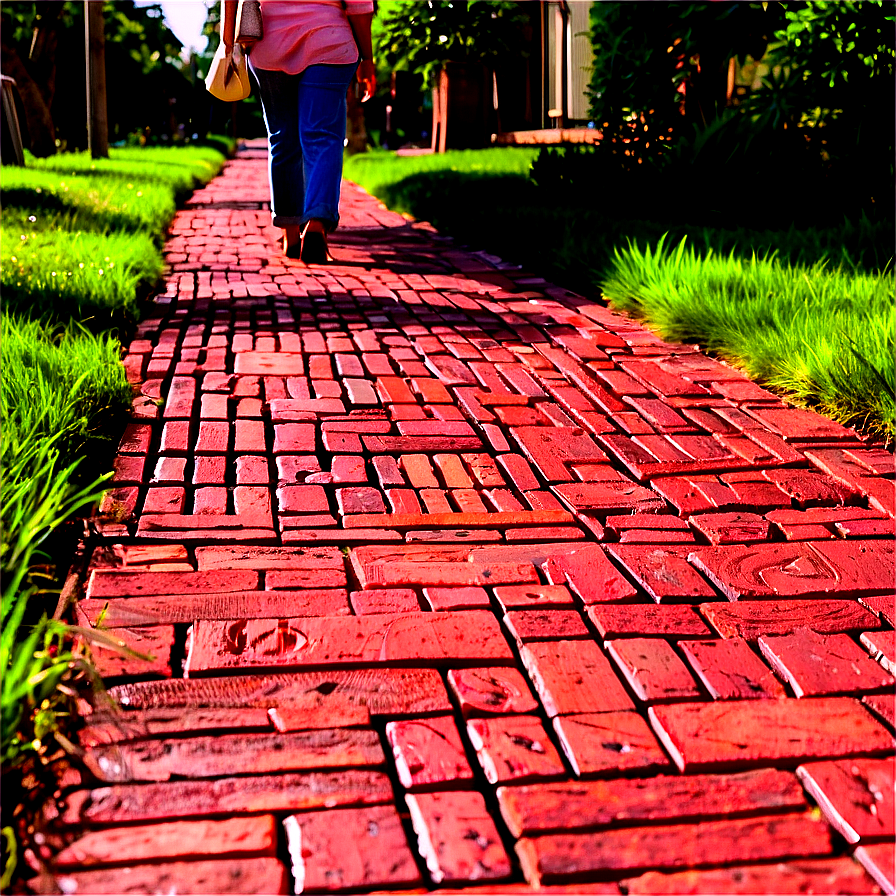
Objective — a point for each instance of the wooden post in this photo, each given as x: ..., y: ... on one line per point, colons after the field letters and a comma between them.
x: 95, y: 50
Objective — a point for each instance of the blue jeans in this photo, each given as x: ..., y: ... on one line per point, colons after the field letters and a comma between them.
x: 305, y: 119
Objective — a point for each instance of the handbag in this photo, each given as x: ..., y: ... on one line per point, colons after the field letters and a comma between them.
x: 228, y: 77
x: 249, y: 23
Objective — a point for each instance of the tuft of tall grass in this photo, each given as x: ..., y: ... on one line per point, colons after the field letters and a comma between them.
x: 832, y: 352
x: 80, y: 237
x: 821, y: 336
x: 79, y: 240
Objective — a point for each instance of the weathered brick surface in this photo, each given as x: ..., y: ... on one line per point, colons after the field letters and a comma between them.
x: 797, y: 876
x: 345, y: 849
x: 541, y: 808
x: 232, y: 837
x: 816, y: 664
x: 457, y: 837
x: 212, y: 877
x: 556, y: 858
x: 426, y: 518
x: 428, y: 752
x: 725, y: 735
x: 856, y: 796
x: 606, y: 743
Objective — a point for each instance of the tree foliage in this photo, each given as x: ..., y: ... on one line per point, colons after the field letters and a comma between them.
x: 43, y: 49
x: 422, y: 35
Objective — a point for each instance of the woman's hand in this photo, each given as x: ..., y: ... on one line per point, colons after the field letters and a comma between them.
x: 367, y: 78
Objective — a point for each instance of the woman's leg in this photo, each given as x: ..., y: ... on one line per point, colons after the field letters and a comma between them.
x: 322, y: 114
x: 279, y: 94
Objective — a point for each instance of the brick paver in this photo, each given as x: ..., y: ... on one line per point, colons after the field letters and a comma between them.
x: 448, y: 576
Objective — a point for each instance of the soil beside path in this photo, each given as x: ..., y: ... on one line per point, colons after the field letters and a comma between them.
x: 451, y: 578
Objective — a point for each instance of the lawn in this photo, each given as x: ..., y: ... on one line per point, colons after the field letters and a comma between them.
x: 81, y: 244
x: 805, y: 310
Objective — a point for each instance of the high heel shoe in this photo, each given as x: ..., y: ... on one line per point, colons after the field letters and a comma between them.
x: 292, y: 251
x: 314, y: 247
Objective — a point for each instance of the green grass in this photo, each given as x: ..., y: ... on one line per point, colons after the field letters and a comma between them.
x: 822, y: 337
x: 80, y: 238
x: 80, y: 242
x: 811, y: 322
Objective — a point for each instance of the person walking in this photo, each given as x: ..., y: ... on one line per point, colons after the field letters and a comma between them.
x: 303, y: 67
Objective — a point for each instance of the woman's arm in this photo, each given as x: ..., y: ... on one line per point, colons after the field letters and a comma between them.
x: 366, y: 69
x: 228, y: 22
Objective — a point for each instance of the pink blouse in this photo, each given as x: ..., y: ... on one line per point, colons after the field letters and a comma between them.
x: 299, y: 33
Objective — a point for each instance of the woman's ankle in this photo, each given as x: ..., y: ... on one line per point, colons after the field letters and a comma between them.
x: 315, y: 225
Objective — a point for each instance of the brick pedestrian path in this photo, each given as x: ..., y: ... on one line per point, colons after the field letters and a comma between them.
x: 451, y: 578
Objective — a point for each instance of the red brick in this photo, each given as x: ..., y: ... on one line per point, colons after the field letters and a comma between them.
x: 816, y: 664
x: 796, y: 424
x: 457, y: 837
x: 750, y: 619
x: 453, y: 472
x: 302, y: 499
x: 244, y: 837
x: 428, y: 753
x: 663, y: 573
x: 731, y: 528
x: 573, y: 677
x: 164, y: 500
x: 550, y: 449
x: 652, y: 669
x: 360, y: 500
x: 460, y: 520
x: 878, y: 860
x: 590, y: 574
x: 218, y: 877
x: 180, y: 397
x: 294, y: 438
x: 531, y: 596
x: 809, y: 488
x: 569, y: 806
x: 798, y: 876
x: 400, y: 567
x: 426, y: 444
x: 647, y: 620
x: 514, y: 748
x: 456, y: 598
x: 606, y: 743
x: 269, y: 364
x: 492, y: 691
x: 555, y: 858
x: 865, y: 528
x: 427, y: 638
x: 856, y: 796
x: 730, y: 670
x: 396, y: 600
x: 610, y: 496
x: 419, y: 471
x: 344, y: 849
x: 121, y: 803
x: 243, y: 753
x: 249, y: 437
x: 255, y: 557
x: 131, y: 469
x: 127, y: 582
x: 805, y: 570
x: 545, y: 625
x: 733, y: 734
x: 882, y: 647
x: 883, y: 706
x: 882, y: 606
x: 185, y: 608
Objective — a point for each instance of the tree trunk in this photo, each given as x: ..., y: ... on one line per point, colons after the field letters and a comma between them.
x: 38, y: 121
